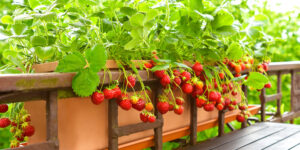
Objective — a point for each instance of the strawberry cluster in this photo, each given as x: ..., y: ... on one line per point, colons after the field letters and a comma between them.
x: 124, y: 100
x: 21, y: 127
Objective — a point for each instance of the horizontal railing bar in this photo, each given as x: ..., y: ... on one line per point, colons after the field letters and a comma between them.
x: 23, y: 96
x: 38, y: 146
x: 273, y: 97
x: 37, y: 81
x: 134, y: 128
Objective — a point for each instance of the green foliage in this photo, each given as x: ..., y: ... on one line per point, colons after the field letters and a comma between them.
x: 256, y: 80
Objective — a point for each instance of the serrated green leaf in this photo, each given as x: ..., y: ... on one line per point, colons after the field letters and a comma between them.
x: 196, y: 5
x: 260, y: 20
x: 208, y: 73
x: 132, y: 44
x: 19, y: 29
x: 205, y: 16
x: 151, y: 14
x: 38, y: 41
x: 45, y: 53
x: 71, y: 63
x: 7, y: 19
x: 96, y: 57
x: 160, y: 67
x: 228, y: 30
x: 128, y: 11
x: 234, y: 51
x: 137, y: 19
x: 181, y: 65
x: 223, y: 18
x: 85, y: 82
x: 256, y: 80
x: 23, y: 17
x: 253, y: 33
x: 46, y: 16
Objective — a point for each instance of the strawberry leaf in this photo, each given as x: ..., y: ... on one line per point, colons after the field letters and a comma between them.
x: 85, y: 82
x: 96, y: 57
x: 234, y: 51
x: 223, y: 18
x: 71, y: 63
x: 256, y: 80
x: 161, y: 67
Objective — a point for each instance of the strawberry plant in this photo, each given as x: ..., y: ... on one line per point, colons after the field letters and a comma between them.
x: 199, y: 47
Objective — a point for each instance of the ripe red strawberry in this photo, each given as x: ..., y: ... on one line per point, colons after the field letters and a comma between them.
x: 243, y: 67
x: 268, y: 85
x: 237, y: 75
x: 234, y: 102
x: 151, y: 118
x: 185, y: 76
x: 163, y: 107
x: 237, y: 68
x: 165, y: 80
x: 130, y: 82
x: 197, y: 92
x: 159, y: 73
x: 187, y: 88
x: 234, y: 93
x: 144, y: 117
x: 221, y: 75
x: 97, y: 98
x: 214, y: 96
x: 3, y: 108
x: 200, y: 102
x: 28, y: 130
x: 148, y: 65
x: 242, y: 107
x: 176, y: 72
x: 178, y: 109
x: 179, y: 100
x: 108, y: 93
x: 240, y: 118
x: 227, y: 101
x: 26, y: 118
x: 209, y: 107
x: 20, y: 138
x: 140, y: 105
x: 125, y: 104
x: 220, y: 107
x: 197, y: 67
x: 4, y: 122
x: 230, y: 85
x: 265, y: 66
x: 203, y: 77
x: 224, y: 88
x: 230, y: 107
x: 171, y: 106
x: 177, y: 82
x: 149, y: 107
x: 121, y: 97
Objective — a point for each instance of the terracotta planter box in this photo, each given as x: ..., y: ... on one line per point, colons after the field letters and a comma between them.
x: 83, y: 125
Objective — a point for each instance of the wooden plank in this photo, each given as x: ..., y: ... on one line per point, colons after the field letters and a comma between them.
x: 38, y: 146
x: 296, y: 147
x: 178, y: 133
x: 221, y: 122
x: 134, y: 128
x: 273, y: 97
x: 263, y: 105
x: 37, y: 81
x: 235, y: 135
x: 286, y: 143
x: 23, y: 96
x: 112, y: 124
x: 193, y: 121
x: 52, y: 121
x: 279, y: 87
x: 270, y: 140
x: 248, y: 138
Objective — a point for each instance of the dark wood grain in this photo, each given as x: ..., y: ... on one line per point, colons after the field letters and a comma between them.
x: 52, y: 121
x: 158, y: 137
x: 134, y: 128
x: 271, y: 140
x: 112, y: 124
x: 23, y: 96
x: 193, y: 121
x: 286, y: 143
x: 221, y: 121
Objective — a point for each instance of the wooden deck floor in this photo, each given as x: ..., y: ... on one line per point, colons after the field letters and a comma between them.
x: 261, y: 136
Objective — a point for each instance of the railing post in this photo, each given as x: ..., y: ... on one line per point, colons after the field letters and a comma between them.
x: 263, y: 105
x: 51, y: 115
x: 278, y: 112
x: 112, y: 124
x: 293, y: 92
x: 193, y: 121
x: 158, y: 141
x: 221, y: 121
